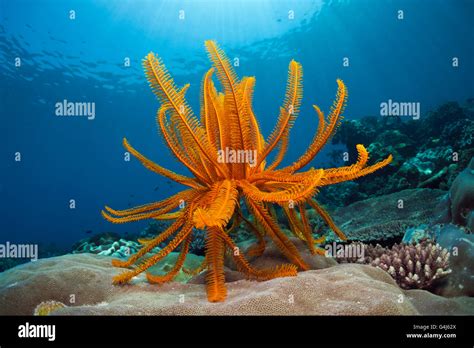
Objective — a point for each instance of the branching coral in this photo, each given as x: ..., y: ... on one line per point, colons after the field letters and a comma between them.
x: 413, y: 266
x: 218, y: 188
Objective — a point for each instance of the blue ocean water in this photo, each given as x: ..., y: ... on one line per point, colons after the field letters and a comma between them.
x: 81, y: 59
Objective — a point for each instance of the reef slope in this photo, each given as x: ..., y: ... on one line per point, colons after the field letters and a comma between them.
x: 377, y: 219
x: 348, y: 289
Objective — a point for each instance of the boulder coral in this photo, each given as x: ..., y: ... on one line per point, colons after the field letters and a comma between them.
x: 382, y: 219
x: 349, y: 289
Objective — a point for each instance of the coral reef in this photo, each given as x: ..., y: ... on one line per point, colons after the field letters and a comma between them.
x: 112, y: 244
x: 85, y: 275
x: 417, y: 233
x: 272, y: 256
x: 413, y: 266
x: 212, y: 149
x: 461, y: 198
x: 382, y: 219
x: 450, y: 228
x: 349, y: 289
x: 423, y: 151
x: 461, y: 246
x: 108, y: 244
x: 154, y: 228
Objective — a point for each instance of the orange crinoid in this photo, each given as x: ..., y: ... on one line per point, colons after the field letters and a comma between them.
x: 229, y: 161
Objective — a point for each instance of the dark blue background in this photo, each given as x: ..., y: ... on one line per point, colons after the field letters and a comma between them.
x: 82, y: 60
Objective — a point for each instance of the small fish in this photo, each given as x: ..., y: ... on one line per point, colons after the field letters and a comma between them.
x: 168, y: 182
x: 89, y: 231
x: 156, y: 188
x: 132, y: 195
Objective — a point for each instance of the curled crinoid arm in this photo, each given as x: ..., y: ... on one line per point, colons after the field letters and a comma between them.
x: 327, y: 218
x: 294, y: 224
x: 296, y: 192
x: 273, y: 230
x: 150, y: 244
x: 320, y: 240
x: 193, y: 272
x: 259, y: 248
x: 322, y: 136
x: 286, y: 270
x: 308, y: 236
x: 353, y: 172
x: 158, y: 279
x: 147, y: 263
x: 236, y: 221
